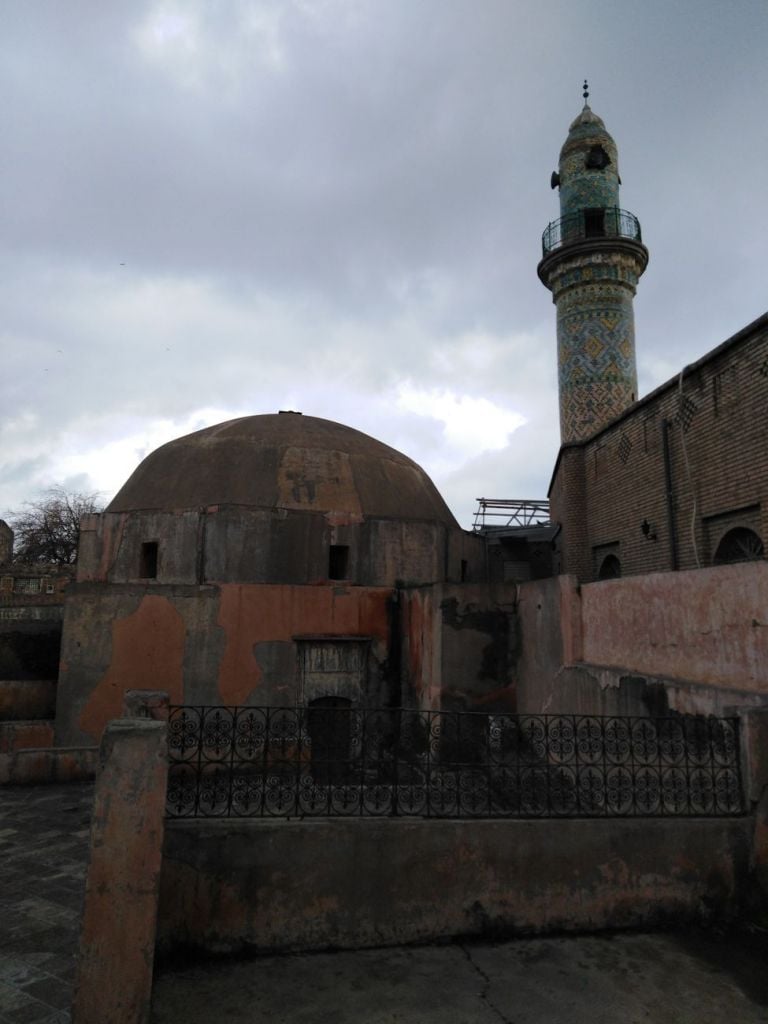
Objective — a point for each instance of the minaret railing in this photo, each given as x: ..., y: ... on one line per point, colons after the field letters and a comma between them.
x: 584, y: 225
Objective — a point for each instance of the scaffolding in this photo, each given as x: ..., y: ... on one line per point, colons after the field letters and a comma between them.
x: 503, y: 513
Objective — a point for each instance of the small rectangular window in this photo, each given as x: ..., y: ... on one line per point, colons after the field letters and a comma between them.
x: 338, y: 562
x: 594, y: 223
x: 148, y: 566
x: 27, y: 585
x: 463, y: 570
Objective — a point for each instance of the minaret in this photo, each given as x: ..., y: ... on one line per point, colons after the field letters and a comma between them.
x: 592, y: 259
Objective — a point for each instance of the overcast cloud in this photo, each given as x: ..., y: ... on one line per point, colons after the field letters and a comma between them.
x: 212, y: 209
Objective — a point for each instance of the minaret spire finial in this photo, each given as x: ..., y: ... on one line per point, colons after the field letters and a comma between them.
x: 586, y: 93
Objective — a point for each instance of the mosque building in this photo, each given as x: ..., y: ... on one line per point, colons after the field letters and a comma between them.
x: 678, y: 479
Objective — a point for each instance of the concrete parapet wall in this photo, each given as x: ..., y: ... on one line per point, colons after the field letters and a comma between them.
x: 59, y: 764
x: 694, y: 642
x: 23, y: 735
x: 706, y: 625
x: 271, y: 885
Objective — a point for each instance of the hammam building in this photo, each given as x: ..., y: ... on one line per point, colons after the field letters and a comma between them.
x: 279, y: 560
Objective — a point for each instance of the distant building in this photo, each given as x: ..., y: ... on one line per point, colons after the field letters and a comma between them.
x: 31, y: 611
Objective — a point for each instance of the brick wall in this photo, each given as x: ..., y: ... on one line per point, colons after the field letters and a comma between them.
x: 609, y: 493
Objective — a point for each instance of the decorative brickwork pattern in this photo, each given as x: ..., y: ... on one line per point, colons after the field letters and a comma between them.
x: 624, y: 448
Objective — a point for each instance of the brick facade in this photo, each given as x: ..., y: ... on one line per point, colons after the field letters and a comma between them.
x: 702, y: 438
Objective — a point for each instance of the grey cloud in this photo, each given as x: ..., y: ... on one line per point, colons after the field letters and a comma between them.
x: 330, y: 198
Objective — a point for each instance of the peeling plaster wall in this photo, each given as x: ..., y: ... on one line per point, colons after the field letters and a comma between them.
x: 275, y: 885
x: 460, y: 646
x: 225, y: 644
x: 421, y: 650
x: 479, y: 647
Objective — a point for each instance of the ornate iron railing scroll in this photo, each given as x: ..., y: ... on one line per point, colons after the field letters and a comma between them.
x: 306, y: 762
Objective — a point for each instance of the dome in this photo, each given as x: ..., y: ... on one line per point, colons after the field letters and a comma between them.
x: 287, y: 461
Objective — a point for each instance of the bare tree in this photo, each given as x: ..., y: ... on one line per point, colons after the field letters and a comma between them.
x: 47, y: 529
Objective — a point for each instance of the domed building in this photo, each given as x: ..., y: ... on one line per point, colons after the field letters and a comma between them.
x: 277, y: 560
x: 284, y: 499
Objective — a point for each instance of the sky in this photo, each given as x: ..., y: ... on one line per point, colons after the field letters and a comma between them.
x: 213, y: 209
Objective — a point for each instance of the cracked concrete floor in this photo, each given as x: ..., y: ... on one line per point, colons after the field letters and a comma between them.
x: 667, y: 978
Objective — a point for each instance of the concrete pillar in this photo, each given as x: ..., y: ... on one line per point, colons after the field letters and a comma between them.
x: 754, y: 768
x: 117, y: 942
x: 754, y: 750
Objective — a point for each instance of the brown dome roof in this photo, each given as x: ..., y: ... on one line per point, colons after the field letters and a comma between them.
x: 283, y: 461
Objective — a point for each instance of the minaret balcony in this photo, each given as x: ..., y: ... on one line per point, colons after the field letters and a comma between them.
x: 589, y: 225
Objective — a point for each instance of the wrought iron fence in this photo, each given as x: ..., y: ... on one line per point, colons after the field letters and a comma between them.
x: 610, y: 222
x: 320, y: 761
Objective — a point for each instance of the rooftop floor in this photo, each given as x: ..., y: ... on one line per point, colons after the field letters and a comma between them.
x: 660, y: 978
x: 626, y: 978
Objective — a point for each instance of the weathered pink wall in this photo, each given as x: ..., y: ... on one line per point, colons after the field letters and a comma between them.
x: 706, y: 626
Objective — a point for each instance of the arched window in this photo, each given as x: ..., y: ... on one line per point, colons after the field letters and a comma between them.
x: 739, y: 545
x: 610, y: 568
